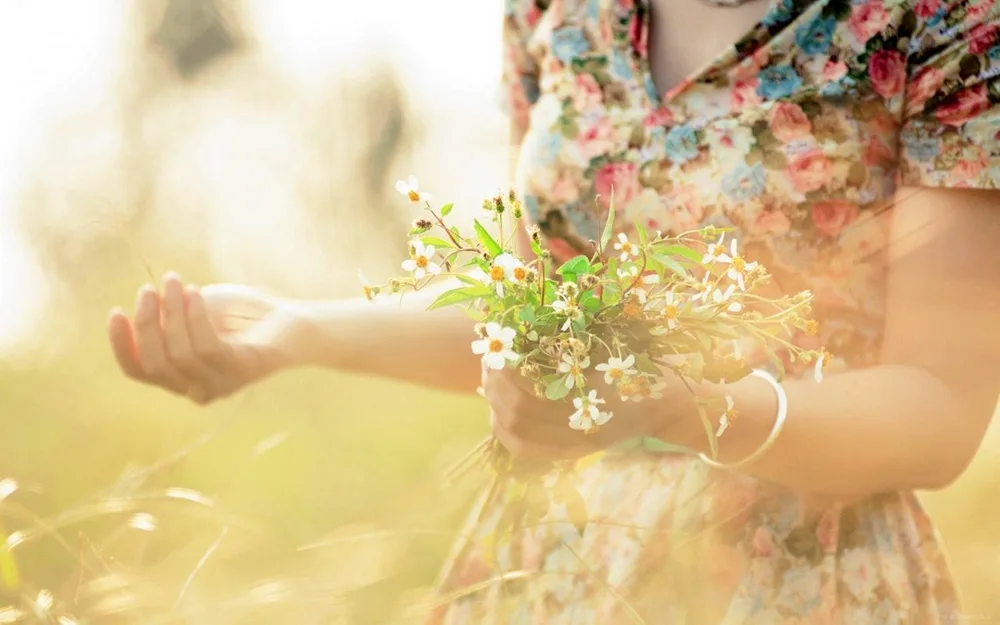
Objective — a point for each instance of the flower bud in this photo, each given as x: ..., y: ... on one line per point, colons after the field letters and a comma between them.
x: 480, y: 330
x: 420, y: 226
x: 516, y: 209
x: 811, y: 327
x: 371, y: 291
x: 488, y: 205
x: 588, y: 281
x: 529, y: 370
x: 569, y: 289
x: 512, y: 195
x: 498, y: 204
x: 395, y: 284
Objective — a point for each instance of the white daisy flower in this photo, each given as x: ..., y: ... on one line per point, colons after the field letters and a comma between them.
x: 625, y: 247
x: 727, y: 417
x: 703, y: 289
x: 588, y: 417
x: 568, y: 308
x: 572, y: 369
x: 714, y: 251
x: 410, y: 189
x: 721, y: 297
x: 738, y: 266
x: 617, y: 368
x: 420, y: 264
x: 671, y: 309
x: 497, y: 346
x: 821, y: 363
x: 514, y: 270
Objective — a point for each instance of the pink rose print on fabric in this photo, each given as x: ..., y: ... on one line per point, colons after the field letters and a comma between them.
x: 887, y: 69
x: 622, y: 178
x: 832, y: 216
x: 788, y: 122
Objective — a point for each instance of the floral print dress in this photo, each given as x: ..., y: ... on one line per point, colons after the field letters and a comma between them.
x: 798, y: 137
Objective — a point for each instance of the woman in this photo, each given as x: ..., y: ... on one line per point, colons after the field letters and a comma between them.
x: 853, y: 146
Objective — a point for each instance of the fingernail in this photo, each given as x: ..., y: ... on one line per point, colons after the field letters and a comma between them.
x: 171, y: 275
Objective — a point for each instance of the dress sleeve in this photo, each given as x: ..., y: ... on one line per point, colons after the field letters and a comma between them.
x: 518, y: 88
x: 950, y: 135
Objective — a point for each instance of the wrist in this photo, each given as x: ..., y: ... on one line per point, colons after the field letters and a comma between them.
x: 311, y: 333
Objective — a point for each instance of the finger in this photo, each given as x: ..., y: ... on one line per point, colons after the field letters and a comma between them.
x: 177, y: 340
x: 150, y: 343
x: 551, y: 447
x: 205, y: 340
x: 123, y: 345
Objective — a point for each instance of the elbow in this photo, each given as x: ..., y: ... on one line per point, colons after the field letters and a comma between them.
x: 950, y: 457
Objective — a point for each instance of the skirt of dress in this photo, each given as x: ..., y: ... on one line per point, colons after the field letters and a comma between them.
x: 671, y: 541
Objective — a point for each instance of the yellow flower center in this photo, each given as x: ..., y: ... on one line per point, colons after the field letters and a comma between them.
x: 812, y: 327
x: 739, y: 264
x: 670, y: 311
x: 576, y: 371
x: 421, y: 262
x: 627, y: 247
x: 616, y: 374
x: 496, y: 345
x: 413, y: 195
x: 496, y: 273
x: 632, y: 308
x: 520, y: 273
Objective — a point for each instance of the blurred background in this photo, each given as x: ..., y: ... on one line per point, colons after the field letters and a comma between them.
x: 252, y: 141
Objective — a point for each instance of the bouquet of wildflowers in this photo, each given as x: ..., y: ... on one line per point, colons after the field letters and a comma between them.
x: 635, y: 310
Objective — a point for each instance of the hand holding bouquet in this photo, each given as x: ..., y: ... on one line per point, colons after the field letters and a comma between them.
x: 632, y: 312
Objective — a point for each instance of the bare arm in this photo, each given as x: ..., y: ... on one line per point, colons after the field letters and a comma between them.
x: 916, y: 420
x: 396, y: 337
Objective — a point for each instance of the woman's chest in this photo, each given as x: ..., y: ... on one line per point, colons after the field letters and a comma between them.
x: 802, y: 112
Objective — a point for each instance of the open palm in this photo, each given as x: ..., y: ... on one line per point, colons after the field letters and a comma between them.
x: 203, y: 343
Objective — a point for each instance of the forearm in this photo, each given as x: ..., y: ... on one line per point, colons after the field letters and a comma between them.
x: 393, y: 337
x: 858, y: 433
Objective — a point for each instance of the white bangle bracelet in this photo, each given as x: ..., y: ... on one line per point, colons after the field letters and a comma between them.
x: 779, y: 423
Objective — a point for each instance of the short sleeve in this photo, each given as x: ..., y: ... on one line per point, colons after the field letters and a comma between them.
x: 519, y: 80
x: 950, y: 136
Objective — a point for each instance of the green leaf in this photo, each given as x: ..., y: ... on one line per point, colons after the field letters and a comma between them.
x: 574, y: 266
x: 713, y: 443
x: 437, y: 242
x: 486, y: 239
x: 720, y: 330
x: 640, y: 231
x: 645, y: 364
x: 536, y: 248
x: 527, y: 314
x: 467, y: 279
x: 456, y: 296
x: 446, y: 209
x: 556, y: 389
x: 609, y: 225
x: 656, y: 446
x: 10, y: 578
x: 680, y: 250
x: 671, y: 264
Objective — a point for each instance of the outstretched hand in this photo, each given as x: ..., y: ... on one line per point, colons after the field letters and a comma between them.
x: 201, y: 343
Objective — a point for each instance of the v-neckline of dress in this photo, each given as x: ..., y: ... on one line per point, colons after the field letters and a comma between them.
x: 779, y: 14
